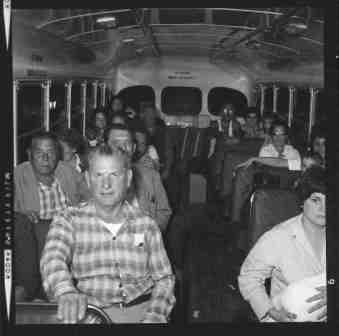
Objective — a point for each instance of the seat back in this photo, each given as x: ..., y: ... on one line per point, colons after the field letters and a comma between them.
x: 46, y: 313
x: 269, y: 207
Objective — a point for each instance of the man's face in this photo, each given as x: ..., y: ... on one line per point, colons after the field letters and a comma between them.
x: 121, y: 139
x: 251, y: 119
x: 267, y: 124
x: 43, y: 156
x: 109, y: 181
x: 67, y: 151
x: 319, y: 146
x: 100, y: 120
x: 279, y: 138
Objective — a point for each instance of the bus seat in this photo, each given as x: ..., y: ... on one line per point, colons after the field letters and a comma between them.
x: 197, y: 189
x: 269, y: 207
x: 46, y: 313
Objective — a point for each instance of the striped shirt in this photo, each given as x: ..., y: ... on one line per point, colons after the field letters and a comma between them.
x: 52, y: 199
x: 108, y: 268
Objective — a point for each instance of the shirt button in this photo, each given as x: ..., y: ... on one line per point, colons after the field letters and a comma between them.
x: 114, y: 238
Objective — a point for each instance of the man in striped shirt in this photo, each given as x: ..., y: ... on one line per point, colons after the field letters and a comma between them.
x: 111, y: 248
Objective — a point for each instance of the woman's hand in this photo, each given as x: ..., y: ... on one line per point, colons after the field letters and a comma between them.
x: 320, y: 303
x: 281, y: 315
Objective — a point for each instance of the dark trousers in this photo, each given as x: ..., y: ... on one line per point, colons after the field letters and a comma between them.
x: 29, y: 240
x: 243, y: 184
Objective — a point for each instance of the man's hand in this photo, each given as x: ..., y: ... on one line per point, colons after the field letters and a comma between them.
x: 32, y: 215
x: 281, y: 315
x: 72, y: 307
x: 246, y: 163
x: 320, y: 303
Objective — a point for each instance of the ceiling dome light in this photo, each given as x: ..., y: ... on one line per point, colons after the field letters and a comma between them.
x: 128, y: 40
x: 296, y: 26
x: 106, y: 19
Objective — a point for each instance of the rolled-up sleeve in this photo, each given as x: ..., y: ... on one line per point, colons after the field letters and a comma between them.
x: 162, y: 300
x: 294, y: 160
x: 56, y: 256
x: 258, y: 267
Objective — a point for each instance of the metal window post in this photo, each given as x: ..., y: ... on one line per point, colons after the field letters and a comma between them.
x: 102, y: 93
x: 275, y: 98
x: 15, y: 121
x: 311, y: 120
x: 262, y: 99
x: 95, y: 94
x: 83, y: 106
x: 291, y: 103
x: 46, y: 86
x: 68, y: 86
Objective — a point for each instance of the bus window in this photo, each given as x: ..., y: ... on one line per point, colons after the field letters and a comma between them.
x: 76, y: 106
x: 300, y: 118
x: 133, y: 96
x: 30, y: 115
x: 220, y: 95
x: 283, y: 102
x: 320, y: 115
x: 57, y: 106
x: 269, y: 98
x: 181, y: 101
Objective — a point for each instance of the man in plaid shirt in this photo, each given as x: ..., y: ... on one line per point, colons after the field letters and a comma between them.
x: 111, y: 248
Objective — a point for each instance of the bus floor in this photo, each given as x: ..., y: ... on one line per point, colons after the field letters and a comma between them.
x: 208, y: 291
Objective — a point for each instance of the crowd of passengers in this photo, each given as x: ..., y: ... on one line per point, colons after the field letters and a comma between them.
x: 98, y: 220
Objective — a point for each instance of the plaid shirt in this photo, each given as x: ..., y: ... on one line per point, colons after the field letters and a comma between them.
x: 52, y: 199
x: 108, y: 269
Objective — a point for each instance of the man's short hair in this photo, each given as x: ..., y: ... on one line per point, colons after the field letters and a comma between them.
x: 120, y: 127
x: 312, y: 181
x: 105, y: 150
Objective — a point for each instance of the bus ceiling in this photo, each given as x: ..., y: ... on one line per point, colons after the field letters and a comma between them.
x: 274, y: 43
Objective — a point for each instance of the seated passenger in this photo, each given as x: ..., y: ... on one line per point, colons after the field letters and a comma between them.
x: 43, y: 186
x: 318, y: 141
x: 149, y: 188
x: 289, y: 252
x: 97, y: 125
x: 276, y: 154
x: 73, y: 149
x: 145, y: 153
x: 251, y: 128
x: 108, y: 252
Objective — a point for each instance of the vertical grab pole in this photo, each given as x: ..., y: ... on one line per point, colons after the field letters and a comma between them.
x: 68, y: 87
x: 262, y: 99
x: 311, y: 119
x: 95, y: 94
x: 83, y: 106
x: 103, y: 93
x: 15, y: 121
x: 275, y: 98
x: 291, y: 98
x: 46, y: 86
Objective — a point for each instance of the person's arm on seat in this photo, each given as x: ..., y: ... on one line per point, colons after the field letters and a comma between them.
x: 55, y: 273
x: 163, y: 209
x: 162, y: 299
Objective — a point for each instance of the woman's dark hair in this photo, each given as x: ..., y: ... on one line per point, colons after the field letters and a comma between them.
x: 312, y: 181
x: 139, y: 127
x: 73, y: 139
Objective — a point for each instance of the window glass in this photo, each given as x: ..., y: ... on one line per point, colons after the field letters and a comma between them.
x: 57, y: 105
x: 221, y: 95
x: 30, y: 115
x: 180, y: 101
